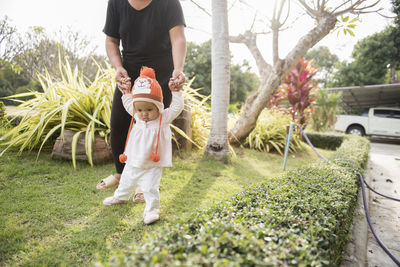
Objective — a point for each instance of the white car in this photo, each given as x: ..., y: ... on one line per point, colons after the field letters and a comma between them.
x: 376, y: 121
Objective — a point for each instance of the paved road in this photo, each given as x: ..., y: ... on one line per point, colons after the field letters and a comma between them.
x: 383, y: 175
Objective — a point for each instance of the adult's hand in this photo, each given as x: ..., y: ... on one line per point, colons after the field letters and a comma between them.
x: 178, y: 78
x: 123, y: 80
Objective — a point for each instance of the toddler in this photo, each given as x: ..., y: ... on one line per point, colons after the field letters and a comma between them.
x: 148, y: 147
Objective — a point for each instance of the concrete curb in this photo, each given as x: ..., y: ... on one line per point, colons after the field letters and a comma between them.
x: 355, y: 253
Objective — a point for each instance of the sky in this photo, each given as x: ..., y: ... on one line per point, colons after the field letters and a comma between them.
x: 88, y: 16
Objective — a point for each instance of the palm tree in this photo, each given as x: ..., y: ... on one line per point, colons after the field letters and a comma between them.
x: 217, y: 144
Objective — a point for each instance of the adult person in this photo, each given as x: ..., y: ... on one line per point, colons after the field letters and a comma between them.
x: 152, y: 34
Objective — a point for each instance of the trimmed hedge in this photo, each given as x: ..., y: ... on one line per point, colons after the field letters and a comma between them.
x: 299, y: 219
x: 324, y: 140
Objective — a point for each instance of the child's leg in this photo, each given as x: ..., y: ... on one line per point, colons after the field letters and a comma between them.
x: 127, y: 183
x: 150, y: 182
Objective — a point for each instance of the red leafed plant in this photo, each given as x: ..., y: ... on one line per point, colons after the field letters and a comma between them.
x: 298, y: 91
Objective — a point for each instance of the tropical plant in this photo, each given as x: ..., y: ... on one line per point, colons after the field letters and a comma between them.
x: 325, y: 109
x: 71, y: 103
x: 270, y: 133
x: 200, y: 110
x: 3, y: 119
x: 299, y: 90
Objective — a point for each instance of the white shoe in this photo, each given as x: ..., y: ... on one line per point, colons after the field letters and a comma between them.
x: 112, y: 201
x: 150, y: 218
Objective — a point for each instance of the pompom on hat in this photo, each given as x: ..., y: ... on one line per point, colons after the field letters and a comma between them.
x: 146, y: 88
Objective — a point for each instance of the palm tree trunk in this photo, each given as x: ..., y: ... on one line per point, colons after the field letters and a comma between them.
x: 217, y: 145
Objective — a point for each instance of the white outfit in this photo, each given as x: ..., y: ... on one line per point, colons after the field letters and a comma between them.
x: 140, y: 170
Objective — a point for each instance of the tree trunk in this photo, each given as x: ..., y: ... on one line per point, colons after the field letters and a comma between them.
x: 217, y: 145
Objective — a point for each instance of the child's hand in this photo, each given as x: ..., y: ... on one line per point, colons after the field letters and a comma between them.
x: 177, y: 81
x: 125, y: 85
x: 123, y: 80
x: 173, y: 85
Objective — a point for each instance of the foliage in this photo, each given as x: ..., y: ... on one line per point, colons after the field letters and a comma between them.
x: 325, y: 109
x: 325, y: 140
x: 8, y: 45
x: 42, y: 53
x: 325, y: 62
x: 201, y: 115
x: 396, y: 31
x: 3, y: 118
x: 299, y: 219
x: 12, y: 83
x: 346, y: 25
x: 52, y: 216
x: 299, y: 90
x: 22, y: 57
x: 270, y: 133
x: 66, y: 104
x: 71, y: 104
x: 372, y: 55
x: 198, y: 65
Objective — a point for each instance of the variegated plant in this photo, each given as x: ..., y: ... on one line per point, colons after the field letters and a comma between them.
x: 270, y: 133
x: 71, y: 103
x: 201, y: 116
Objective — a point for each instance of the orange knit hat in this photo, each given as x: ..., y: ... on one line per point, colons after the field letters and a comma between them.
x: 146, y: 88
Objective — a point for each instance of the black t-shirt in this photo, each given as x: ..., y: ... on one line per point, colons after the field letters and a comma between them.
x: 144, y: 34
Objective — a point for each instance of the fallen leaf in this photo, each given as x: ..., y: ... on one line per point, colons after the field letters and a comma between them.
x: 375, y: 200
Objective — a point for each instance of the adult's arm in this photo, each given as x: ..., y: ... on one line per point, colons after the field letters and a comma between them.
x: 178, y: 42
x: 114, y: 55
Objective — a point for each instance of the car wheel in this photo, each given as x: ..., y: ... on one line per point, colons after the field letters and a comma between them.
x: 356, y: 130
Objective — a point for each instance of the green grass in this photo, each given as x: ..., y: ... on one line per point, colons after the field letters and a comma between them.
x: 51, y: 214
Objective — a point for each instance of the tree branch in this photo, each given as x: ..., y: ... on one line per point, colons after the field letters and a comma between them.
x: 309, y: 40
x: 250, y: 40
x: 200, y: 7
x: 355, y: 8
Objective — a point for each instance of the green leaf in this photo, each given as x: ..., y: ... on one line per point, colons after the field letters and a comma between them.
x: 73, y: 149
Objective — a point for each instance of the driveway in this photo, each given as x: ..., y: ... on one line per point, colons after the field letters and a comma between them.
x: 384, y: 177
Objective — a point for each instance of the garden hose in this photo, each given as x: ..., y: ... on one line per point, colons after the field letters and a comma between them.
x: 363, y: 184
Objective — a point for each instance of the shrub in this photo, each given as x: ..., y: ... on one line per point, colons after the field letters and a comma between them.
x: 67, y: 104
x: 325, y: 141
x: 270, y: 133
x: 301, y: 218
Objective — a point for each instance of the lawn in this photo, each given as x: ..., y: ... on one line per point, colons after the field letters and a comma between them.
x: 51, y: 214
